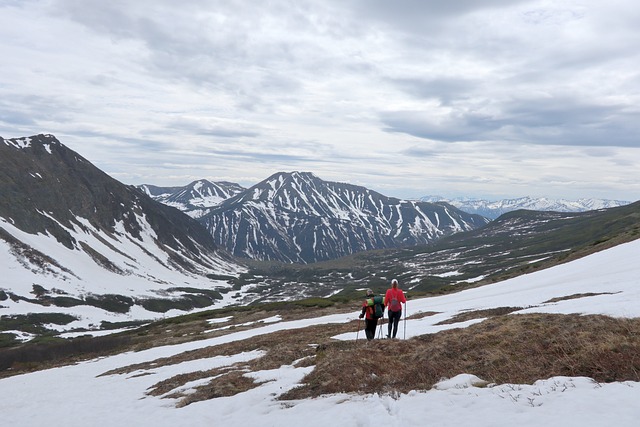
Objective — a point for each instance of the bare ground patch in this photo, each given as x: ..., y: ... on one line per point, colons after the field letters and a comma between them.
x: 479, y: 314
x: 422, y: 314
x: 576, y: 296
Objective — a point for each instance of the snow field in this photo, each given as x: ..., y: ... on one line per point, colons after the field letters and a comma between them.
x: 80, y: 395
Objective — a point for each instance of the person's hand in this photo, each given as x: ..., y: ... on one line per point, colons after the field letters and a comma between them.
x: 361, y: 315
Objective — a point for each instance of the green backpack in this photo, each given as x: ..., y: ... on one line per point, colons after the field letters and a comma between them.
x: 378, y: 306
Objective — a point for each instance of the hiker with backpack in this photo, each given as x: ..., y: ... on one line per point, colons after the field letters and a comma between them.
x: 393, y: 300
x: 373, y: 309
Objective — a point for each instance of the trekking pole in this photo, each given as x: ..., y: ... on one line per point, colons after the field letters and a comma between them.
x: 404, y: 328
x: 358, y: 333
x: 380, y: 329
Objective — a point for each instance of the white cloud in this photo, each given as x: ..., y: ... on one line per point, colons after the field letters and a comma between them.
x: 240, y: 90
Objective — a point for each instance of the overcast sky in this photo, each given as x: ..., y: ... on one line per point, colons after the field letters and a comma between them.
x: 478, y: 98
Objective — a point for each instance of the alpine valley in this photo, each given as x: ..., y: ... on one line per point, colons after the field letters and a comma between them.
x: 82, y: 252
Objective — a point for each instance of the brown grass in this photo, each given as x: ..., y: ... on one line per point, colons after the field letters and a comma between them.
x: 506, y: 349
x: 422, y: 314
x: 479, y: 314
x: 503, y: 349
x: 225, y: 385
x: 576, y: 296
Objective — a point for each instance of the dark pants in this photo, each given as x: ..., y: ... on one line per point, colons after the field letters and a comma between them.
x: 394, y: 319
x: 370, y: 328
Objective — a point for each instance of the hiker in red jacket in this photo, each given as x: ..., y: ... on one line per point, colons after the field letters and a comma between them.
x: 393, y: 300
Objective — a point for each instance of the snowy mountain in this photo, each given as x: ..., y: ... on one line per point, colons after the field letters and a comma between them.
x: 297, y: 217
x: 87, y: 252
x: 74, y: 240
x: 238, y: 372
x: 493, y: 209
x: 195, y: 198
x: 518, y: 242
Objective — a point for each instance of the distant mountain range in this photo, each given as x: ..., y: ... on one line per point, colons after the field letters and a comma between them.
x: 199, y: 197
x: 493, y: 209
x: 298, y: 217
x: 80, y: 250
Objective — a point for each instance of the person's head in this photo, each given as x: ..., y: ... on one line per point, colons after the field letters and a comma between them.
x: 394, y: 283
x: 369, y: 292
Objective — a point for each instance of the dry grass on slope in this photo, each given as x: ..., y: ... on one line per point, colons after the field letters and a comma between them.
x: 287, y: 347
x: 505, y: 349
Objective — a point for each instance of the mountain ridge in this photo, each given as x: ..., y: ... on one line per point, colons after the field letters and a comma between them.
x: 298, y: 217
x: 112, y: 254
x: 195, y: 198
x: 493, y: 209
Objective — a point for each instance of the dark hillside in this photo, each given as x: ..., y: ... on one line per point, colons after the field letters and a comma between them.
x: 44, y: 184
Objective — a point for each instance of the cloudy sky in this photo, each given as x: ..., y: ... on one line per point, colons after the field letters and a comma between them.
x: 478, y: 98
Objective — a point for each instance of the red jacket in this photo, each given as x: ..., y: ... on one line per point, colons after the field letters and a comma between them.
x: 394, y: 298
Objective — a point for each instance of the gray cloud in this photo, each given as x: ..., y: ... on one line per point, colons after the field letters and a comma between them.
x: 32, y: 112
x: 455, y: 127
x: 226, y: 46
x: 18, y: 119
x: 444, y: 89
x: 546, y: 121
x: 425, y: 15
x: 222, y: 130
x: 227, y: 132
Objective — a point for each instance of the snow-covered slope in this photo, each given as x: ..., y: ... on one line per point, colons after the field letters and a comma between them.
x: 297, y: 217
x: 493, y: 209
x: 86, y: 394
x: 75, y: 241
x: 120, y: 284
x: 196, y: 198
